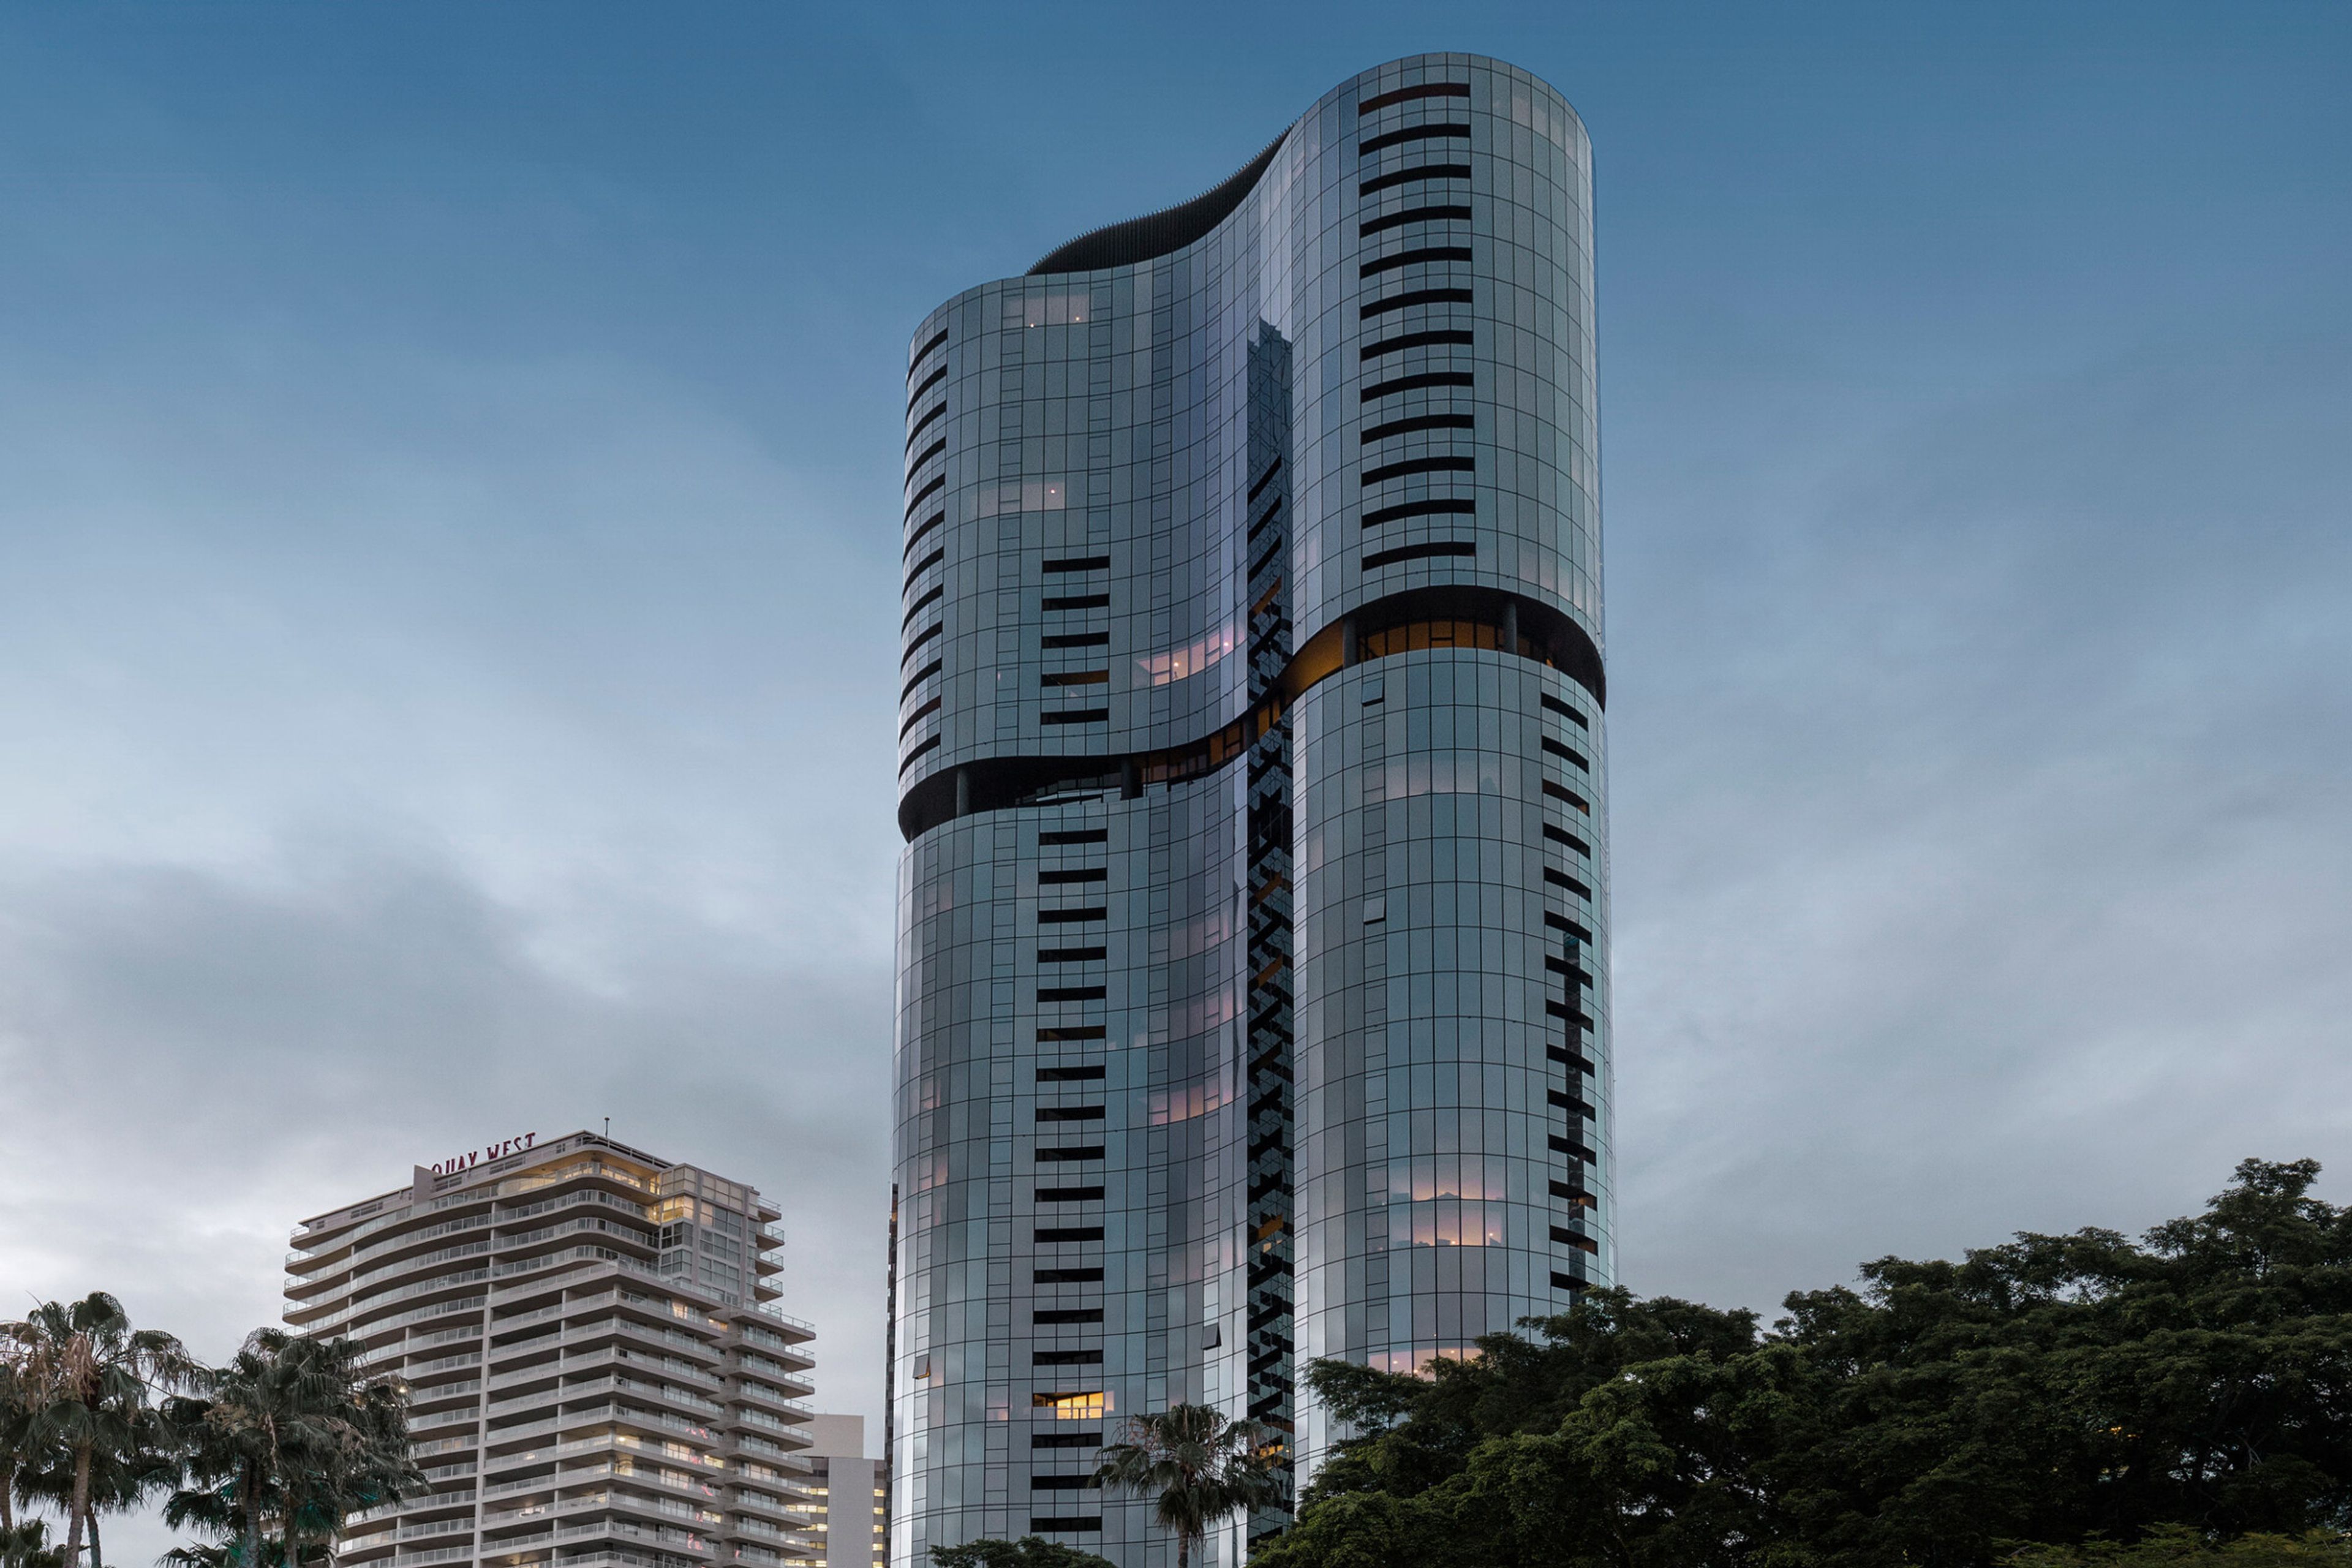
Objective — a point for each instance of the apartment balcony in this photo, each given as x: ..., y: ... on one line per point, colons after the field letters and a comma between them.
x: 437, y: 1527
x: 612, y: 1355
x: 438, y: 1554
x: 688, y: 1543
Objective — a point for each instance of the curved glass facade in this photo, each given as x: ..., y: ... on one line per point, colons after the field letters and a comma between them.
x: 1253, y: 993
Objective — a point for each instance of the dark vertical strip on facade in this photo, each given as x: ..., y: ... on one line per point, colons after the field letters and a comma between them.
x: 1269, y: 1046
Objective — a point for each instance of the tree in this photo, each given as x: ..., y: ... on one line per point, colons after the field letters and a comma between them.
x: 2178, y: 1546
x: 1198, y: 1467
x: 27, y: 1545
x: 2056, y: 1389
x: 282, y: 1442
x: 1029, y: 1551
x: 85, y: 1376
x: 123, y: 1475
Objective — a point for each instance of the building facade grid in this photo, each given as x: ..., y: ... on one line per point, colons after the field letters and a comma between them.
x: 1252, y: 920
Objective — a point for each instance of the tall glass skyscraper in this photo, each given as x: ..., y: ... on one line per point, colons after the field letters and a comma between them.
x: 1253, y: 920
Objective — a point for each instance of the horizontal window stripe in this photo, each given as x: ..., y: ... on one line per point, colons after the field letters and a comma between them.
x: 1432, y: 130
x: 1441, y: 337
x: 1413, y: 298
x: 917, y: 752
x: 916, y: 647
x: 938, y: 482
x: 1380, y: 558
x: 925, y: 565
x: 918, y: 679
x: 1407, y: 177
x: 930, y: 382
x: 1077, y: 716
x: 925, y: 352
x: 1073, y: 916
x: 933, y: 451
x: 1407, y: 94
x: 924, y: 424
x: 1077, y: 602
x: 1417, y: 423
x: 1457, y: 464
x: 1428, y: 255
x: 1451, y: 212
x: 930, y: 522
x: 1437, y: 506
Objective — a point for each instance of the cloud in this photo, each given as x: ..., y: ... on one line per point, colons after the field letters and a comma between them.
x: 1980, y: 848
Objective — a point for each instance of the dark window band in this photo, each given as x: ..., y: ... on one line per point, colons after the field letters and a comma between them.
x: 916, y: 718
x: 930, y: 382
x: 1407, y: 94
x: 1406, y: 468
x: 1075, y: 836
x: 936, y: 590
x: 1263, y: 480
x: 1396, y: 177
x: 1380, y: 558
x: 1452, y: 212
x: 1429, y: 132
x: 933, y: 451
x: 1073, y: 955
x: 1077, y: 716
x: 1443, y: 337
x: 920, y: 637
x: 1080, y: 564
x: 1075, y: 677
x: 1427, y: 254
x: 1072, y: 1524
x: 1075, y: 639
x: 908, y: 760
x: 929, y: 523
x: 938, y: 482
x: 1048, y: 878
x: 1077, y: 602
x: 1441, y: 506
x: 1413, y: 298
x: 1419, y: 423
x: 925, y: 352
x: 918, y: 679
x: 1423, y: 382
x: 1546, y: 635
x: 925, y: 565
x: 924, y: 424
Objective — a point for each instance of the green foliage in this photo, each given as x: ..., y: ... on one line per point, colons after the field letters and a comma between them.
x: 281, y: 1444
x: 27, y: 1545
x: 2054, y: 1389
x: 1197, y: 1467
x: 2178, y: 1546
x: 76, y: 1427
x: 1029, y: 1551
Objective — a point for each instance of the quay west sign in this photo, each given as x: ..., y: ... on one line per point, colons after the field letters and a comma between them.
x: 497, y: 1150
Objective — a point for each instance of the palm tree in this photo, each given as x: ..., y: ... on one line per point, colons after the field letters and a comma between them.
x: 123, y: 1475
x: 84, y: 1375
x: 16, y: 1447
x: 282, y: 1442
x: 1199, y: 1466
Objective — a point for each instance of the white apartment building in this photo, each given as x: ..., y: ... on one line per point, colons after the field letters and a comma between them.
x: 599, y: 1377
x: 848, y: 1522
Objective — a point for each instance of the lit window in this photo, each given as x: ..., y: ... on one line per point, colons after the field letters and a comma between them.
x: 1088, y: 1406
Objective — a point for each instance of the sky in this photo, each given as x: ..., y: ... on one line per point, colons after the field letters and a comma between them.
x: 448, y: 472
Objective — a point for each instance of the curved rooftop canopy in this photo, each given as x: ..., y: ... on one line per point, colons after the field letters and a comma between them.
x: 1155, y: 234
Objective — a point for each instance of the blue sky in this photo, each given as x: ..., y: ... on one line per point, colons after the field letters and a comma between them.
x: 448, y: 469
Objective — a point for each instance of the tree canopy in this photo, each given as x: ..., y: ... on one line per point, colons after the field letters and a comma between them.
x: 2060, y: 1389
